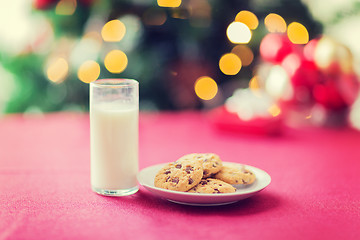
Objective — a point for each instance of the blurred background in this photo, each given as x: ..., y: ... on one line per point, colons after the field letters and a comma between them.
x: 298, y: 59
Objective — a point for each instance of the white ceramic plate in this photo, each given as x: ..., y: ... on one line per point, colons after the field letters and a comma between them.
x: 146, y: 178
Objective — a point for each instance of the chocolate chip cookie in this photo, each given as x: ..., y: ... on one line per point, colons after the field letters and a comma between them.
x: 211, y: 162
x: 233, y: 174
x: 180, y: 175
x: 210, y: 185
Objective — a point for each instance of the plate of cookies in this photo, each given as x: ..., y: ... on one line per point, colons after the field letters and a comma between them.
x: 203, y: 179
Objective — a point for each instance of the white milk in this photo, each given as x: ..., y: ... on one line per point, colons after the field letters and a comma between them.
x: 114, y: 146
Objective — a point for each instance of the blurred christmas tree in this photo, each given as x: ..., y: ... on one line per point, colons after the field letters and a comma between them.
x: 166, y: 44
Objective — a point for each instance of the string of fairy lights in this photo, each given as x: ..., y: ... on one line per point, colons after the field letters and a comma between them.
x: 239, y: 33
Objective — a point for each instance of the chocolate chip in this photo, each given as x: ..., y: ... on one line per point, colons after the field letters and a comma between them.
x: 220, y: 184
x: 167, y: 171
x: 203, y: 182
x: 178, y: 166
x: 244, y: 182
x: 167, y: 179
x: 216, y: 190
x: 214, y: 165
x: 191, y: 180
x: 189, y: 169
x: 205, y: 172
x: 175, y: 180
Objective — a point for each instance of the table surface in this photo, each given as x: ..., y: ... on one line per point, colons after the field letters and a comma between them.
x: 45, y: 182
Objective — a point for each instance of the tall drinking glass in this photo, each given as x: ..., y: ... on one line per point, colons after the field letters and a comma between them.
x: 114, y: 130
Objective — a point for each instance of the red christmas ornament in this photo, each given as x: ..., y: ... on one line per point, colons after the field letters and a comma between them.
x: 275, y: 47
x: 301, y: 71
x: 340, y: 85
x: 328, y: 95
x: 303, y: 75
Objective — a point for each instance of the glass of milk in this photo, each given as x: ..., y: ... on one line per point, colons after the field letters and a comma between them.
x: 114, y: 130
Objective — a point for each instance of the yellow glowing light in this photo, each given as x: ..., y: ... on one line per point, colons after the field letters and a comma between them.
x: 244, y: 53
x: 238, y: 32
x: 154, y: 17
x: 297, y: 33
x: 89, y: 71
x: 169, y: 3
x: 275, y: 23
x: 254, y: 83
x: 248, y: 18
x: 116, y: 61
x: 206, y: 88
x: 113, y: 31
x: 230, y: 64
x: 274, y: 110
x: 57, y: 70
x: 65, y: 7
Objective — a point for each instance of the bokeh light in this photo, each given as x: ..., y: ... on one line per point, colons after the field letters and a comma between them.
x: 206, y: 88
x: 169, y: 3
x: 57, y: 70
x: 297, y: 33
x: 230, y: 64
x: 274, y: 47
x: 113, y: 31
x: 248, y: 18
x: 274, y: 110
x: 275, y: 23
x: 329, y: 53
x: 238, y: 32
x: 309, y: 50
x: 154, y: 17
x: 65, y: 7
x: 244, y: 53
x: 89, y: 71
x: 116, y: 61
x: 254, y: 83
x: 277, y: 84
x: 291, y: 63
x: 248, y: 104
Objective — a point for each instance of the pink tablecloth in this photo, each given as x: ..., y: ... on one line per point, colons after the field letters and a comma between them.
x: 45, y: 187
